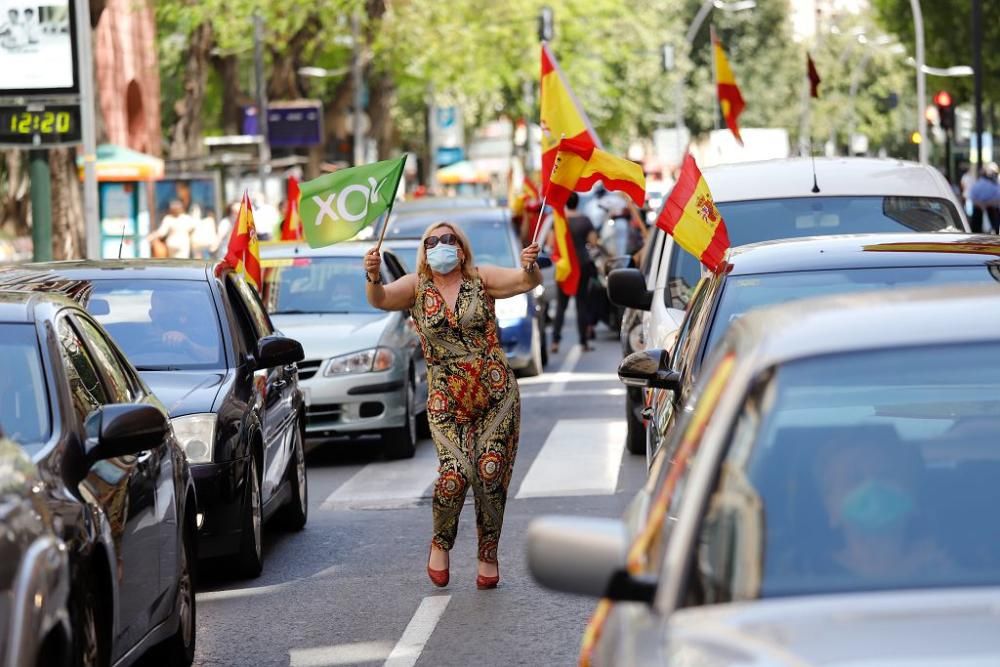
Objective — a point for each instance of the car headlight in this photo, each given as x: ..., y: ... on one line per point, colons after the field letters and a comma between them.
x: 196, y: 435
x: 375, y: 359
x: 512, y: 308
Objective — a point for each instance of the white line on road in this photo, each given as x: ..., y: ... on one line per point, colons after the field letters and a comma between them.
x: 234, y: 593
x: 574, y: 392
x: 562, y: 376
x: 581, y: 457
x: 568, y: 364
x: 421, y: 626
x: 339, y: 654
x: 387, y: 484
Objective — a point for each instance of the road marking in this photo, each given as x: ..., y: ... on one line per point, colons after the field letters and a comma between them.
x: 234, y: 593
x: 574, y: 392
x: 421, y: 626
x: 568, y: 364
x: 339, y: 654
x: 581, y: 457
x: 562, y: 377
x: 388, y: 484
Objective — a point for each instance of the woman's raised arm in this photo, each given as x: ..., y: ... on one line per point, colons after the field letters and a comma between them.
x: 397, y: 295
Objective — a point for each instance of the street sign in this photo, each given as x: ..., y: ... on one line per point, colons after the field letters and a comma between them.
x: 38, y: 49
x: 449, y: 155
x: 297, y: 124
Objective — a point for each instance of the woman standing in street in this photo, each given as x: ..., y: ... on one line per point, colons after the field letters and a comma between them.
x: 473, y: 404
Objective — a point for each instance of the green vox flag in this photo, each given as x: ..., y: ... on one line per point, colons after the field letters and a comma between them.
x: 337, y: 206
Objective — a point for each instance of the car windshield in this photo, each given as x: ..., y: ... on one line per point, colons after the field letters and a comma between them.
x: 315, y: 285
x: 491, y: 240
x: 869, y: 470
x: 770, y: 219
x: 742, y: 293
x: 160, y: 324
x: 24, y: 403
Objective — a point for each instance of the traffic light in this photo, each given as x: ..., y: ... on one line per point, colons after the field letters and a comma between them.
x: 915, y: 138
x: 946, y: 110
x: 546, y: 24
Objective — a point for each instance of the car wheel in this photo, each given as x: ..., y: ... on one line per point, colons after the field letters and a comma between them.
x: 294, y: 515
x: 534, y: 366
x: 401, y: 443
x: 90, y: 646
x: 179, y: 649
x: 635, y: 438
x: 251, y: 554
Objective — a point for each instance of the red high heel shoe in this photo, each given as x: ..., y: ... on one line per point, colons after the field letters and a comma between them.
x: 438, y: 577
x: 487, y: 583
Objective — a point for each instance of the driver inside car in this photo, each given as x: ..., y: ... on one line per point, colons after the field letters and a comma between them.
x: 176, y: 325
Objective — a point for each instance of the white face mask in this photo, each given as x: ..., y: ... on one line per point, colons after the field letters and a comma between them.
x: 442, y: 258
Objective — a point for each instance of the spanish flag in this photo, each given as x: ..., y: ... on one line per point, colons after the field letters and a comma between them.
x: 579, y: 166
x: 730, y: 98
x: 291, y: 226
x: 242, y: 252
x: 561, y: 116
x: 689, y: 215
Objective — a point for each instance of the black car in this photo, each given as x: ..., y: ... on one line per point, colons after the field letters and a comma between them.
x: 200, y: 337
x: 773, y: 272
x: 111, y: 476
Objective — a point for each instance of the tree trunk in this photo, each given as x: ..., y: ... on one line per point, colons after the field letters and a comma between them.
x: 381, y: 97
x: 16, y: 191
x: 284, y: 82
x: 68, y: 234
x: 186, y: 134
x: 228, y: 69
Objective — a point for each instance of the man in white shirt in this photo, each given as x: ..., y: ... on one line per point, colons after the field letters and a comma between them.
x: 175, y: 231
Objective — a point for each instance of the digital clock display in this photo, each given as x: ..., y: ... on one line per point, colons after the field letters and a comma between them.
x: 22, y: 125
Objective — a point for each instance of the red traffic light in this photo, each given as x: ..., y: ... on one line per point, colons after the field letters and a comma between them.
x: 943, y: 99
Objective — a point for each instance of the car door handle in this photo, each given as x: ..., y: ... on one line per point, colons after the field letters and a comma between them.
x: 144, y: 456
x: 647, y: 413
x: 279, y: 384
x: 291, y: 368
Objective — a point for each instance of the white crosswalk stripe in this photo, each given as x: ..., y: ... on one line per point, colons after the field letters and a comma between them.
x: 581, y: 457
x: 388, y: 484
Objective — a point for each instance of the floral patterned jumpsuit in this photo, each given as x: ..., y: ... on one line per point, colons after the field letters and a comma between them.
x: 473, y: 407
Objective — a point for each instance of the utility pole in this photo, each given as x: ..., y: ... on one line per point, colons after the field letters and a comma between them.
x: 918, y: 30
x: 264, y: 154
x: 977, y: 66
x: 356, y: 76
x: 88, y: 130
x: 41, y: 204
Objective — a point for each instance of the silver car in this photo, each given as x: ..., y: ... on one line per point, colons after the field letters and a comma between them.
x: 826, y: 499
x: 364, y: 370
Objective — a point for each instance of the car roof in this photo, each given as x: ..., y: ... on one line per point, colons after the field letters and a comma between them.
x: 413, y: 226
x: 850, y: 251
x: 278, y: 249
x: 835, y: 177
x: 17, y: 306
x: 132, y: 269
x: 867, y: 321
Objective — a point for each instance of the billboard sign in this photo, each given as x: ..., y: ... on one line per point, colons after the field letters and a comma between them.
x: 296, y: 124
x: 37, y: 48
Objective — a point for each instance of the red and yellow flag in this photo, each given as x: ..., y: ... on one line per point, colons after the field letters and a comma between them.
x: 579, y: 166
x: 561, y: 116
x: 730, y: 98
x: 291, y: 226
x: 242, y: 252
x: 689, y: 215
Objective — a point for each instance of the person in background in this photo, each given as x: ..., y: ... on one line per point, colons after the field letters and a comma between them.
x: 204, y: 235
x: 985, y: 196
x: 175, y: 230
x: 583, y: 233
x: 965, y: 181
x: 225, y: 228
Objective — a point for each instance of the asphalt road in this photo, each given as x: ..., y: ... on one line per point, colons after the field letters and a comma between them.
x: 351, y: 589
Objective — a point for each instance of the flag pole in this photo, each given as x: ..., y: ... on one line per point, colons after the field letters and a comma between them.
x: 388, y: 212
x: 715, y: 72
x: 545, y: 195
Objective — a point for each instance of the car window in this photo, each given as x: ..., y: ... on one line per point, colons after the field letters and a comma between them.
x: 258, y: 315
x: 316, y: 285
x: 85, y: 386
x: 491, y: 240
x: 865, y: 471
x: 160, y: 324
x: 770, y: 219
x: 122, y: 387
x: 686, y: 337
x: 24, y: 402
x: 744, y: 293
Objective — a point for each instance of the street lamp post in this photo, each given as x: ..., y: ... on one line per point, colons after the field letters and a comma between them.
x: 699, y: 19
x: 918, y: 29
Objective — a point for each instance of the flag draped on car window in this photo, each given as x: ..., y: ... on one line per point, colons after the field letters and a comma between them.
x: 579, y: 166
x: 561, y: 116
x: 242, y: 252
x: 730, y: 98
x: 689, y: 215
x: 337, y: 206
x: 291, y: 226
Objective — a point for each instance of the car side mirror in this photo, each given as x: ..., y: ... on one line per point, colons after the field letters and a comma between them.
x: 116, y: 430
x: 543, y: 261
x: 585, y: 556
x: 278, y: 351
x: 627, y: 288
x: 620, y: 262
x: 648, y: 368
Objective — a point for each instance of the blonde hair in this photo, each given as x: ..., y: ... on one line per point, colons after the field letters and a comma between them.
x: 468, y: 266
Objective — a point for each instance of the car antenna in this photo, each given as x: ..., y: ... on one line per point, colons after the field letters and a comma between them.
x: 812, y: 154
x: 121, y: 242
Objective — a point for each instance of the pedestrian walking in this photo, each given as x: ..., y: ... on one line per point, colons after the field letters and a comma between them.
x: 985, y: 196
x: 473, y: 403
x: 175, y: 231
x: 583, y: 233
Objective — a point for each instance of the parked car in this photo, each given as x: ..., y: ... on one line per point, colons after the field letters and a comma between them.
x: 494, y: 241
x: 198, y: 334
x: 34, y: 569
x: 763, y: 201
x: 364, y: 369
x: 112, y: 484
x: 824, y: 501
x: 774, y: 272
x: 442, y: 206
